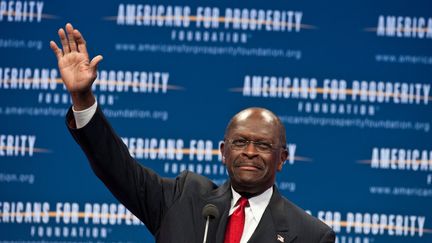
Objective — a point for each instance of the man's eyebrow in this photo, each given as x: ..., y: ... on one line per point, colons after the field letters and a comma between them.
x: 256, y: 139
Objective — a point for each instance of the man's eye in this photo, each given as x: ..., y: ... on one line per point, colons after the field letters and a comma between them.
x: 239, y: 142
x: 263, y: 145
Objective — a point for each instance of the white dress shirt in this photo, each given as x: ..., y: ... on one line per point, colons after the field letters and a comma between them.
x: 253, y: 212
x: 83, y: 117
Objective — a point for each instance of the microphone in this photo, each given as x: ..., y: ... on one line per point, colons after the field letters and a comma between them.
x: 209, y: 212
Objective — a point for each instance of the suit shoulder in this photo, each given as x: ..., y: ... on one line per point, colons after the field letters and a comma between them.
x: 299, y: 220
x: 195, y: 184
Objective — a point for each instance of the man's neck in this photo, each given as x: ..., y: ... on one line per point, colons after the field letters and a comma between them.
x: 249, y: 195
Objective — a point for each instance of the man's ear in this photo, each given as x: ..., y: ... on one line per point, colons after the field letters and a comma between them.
x: 283, y: 158
x: 222, y: 151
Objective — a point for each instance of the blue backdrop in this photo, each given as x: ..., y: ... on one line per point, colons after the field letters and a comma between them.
x: 350, y: 80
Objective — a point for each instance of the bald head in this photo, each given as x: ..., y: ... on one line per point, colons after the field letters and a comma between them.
x: 260, y: 116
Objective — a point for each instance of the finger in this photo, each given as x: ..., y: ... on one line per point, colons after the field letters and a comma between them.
x: 57, y: 51
x: 70, y: 36
x: 95, y: 61
x: 64, y: 41
x: 80, y: 42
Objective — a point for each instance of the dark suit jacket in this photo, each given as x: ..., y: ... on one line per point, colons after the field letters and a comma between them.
x: 171, y: 208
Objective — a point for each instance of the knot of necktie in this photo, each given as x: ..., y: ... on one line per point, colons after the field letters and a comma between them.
x: 243, y: 202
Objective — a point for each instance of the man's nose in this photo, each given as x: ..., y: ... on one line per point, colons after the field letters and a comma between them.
x: 250, y: 150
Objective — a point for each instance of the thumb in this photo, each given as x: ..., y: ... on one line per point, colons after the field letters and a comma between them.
x: 95, y: 61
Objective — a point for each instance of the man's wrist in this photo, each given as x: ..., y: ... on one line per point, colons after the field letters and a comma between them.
x: 82, y: 101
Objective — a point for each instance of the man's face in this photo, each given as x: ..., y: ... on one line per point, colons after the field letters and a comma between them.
x: 252, y: 170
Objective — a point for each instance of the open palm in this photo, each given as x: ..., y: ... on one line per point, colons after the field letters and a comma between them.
x: 77, y: 71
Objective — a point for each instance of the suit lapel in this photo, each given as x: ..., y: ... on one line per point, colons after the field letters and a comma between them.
x: 273, y: 226
x: 221, y: 198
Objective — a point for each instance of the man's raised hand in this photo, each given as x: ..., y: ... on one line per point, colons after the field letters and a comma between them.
x: 77, y: 71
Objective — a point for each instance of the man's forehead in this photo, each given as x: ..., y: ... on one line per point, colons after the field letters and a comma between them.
x: 254, y: 123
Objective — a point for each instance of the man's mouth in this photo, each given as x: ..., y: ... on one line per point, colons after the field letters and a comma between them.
x: 249, y: 166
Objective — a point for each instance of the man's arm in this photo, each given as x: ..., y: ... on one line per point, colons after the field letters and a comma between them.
x: 141, y: 190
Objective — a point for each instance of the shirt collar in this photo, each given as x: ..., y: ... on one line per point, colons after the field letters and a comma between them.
x: 257, y: 204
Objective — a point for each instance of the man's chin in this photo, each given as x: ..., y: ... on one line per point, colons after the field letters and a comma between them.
x: 248, y: 179
x: 248, y: 188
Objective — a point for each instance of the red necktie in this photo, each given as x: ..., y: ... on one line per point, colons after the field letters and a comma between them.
x: 234, y: 229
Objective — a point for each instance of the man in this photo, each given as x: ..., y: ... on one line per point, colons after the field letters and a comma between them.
x: 254, y: 149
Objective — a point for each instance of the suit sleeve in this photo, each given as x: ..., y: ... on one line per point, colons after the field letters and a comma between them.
x: 141, y: 190
x: 329, y: 237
